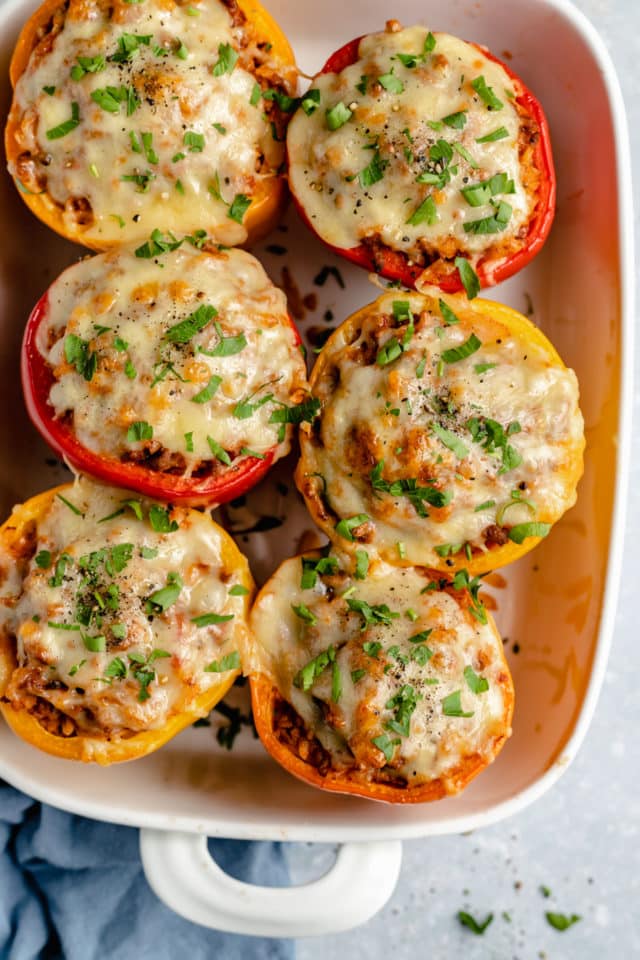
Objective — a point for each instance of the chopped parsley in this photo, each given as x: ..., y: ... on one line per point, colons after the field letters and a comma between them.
x: 456, y: 121
x: 486, y: 94
x: 372, y: 615
x: 140, y: 430
x: 239, y: 206
x: 560, y: 921
x: 373, y: 172
x: 87, y: 65
x: 468, y: 277
x: 493, y: 438
x: 161, y: 600
x: 219, y: 452
x: 409, y: 488
x: 477, y: 927
x: 391, y: 83
x: 521, y: 531
x: 77, y: 353
x: 425, y: 213
x: 312, y: 569
x: 338, y: 115
x: 227, y: 59
x: 229, y: 662
x: 451, y: 441
x: 362, y: 565
x: 209, y: 391
x: 183, y: 332
x: 238, y: 590
x: 194, y: 141
x: 452, y: 707
x: 307, y: 676
x: 498, y: 134
x: 310, y: 101
x: 159, y: 518
x: 64, y: 128
x: 209, y: 619
x: 466, y: 349
x: 302, y: 611
x: 344, y: 528
x: 111, y: 99
x: 475, y: 683
x: 386, y: 745
x: 492, y: 224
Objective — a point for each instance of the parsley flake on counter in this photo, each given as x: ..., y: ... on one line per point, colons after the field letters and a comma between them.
x: 477, y: 927
x: 560, y: 921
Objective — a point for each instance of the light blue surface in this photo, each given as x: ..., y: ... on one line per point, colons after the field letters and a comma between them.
x: 582, y: 840
x: 73, y: 889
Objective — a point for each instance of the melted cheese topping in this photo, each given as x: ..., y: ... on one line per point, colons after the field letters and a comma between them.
x: 165, y: 135
x: 402, y: 680
x: 396, y: 168
x: 440, y: 458
x: 223, y: 379
x: 91, y: 640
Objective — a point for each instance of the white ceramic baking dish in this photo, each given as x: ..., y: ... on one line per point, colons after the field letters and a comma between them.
x: 556, y: 610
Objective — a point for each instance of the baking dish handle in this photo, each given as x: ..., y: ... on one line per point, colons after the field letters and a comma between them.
x: 182, y: 873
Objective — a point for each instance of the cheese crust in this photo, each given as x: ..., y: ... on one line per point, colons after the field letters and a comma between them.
x: 127, y: 117
x: 449, y: 433
x: 179, y: 362
x: 375, y: 681
x: 117, y: 614
x: 435, y: 159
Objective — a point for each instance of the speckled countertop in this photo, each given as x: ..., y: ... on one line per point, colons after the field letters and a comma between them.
x: 581, y: 840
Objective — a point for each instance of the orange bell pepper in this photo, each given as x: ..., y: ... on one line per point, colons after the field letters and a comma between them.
x: 14, y: 536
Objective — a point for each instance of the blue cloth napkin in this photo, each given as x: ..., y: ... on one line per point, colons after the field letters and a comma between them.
x: 73, y: 889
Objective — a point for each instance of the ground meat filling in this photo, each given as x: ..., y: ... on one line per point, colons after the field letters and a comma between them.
x: 427, y: 255
x: 292, y: 732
